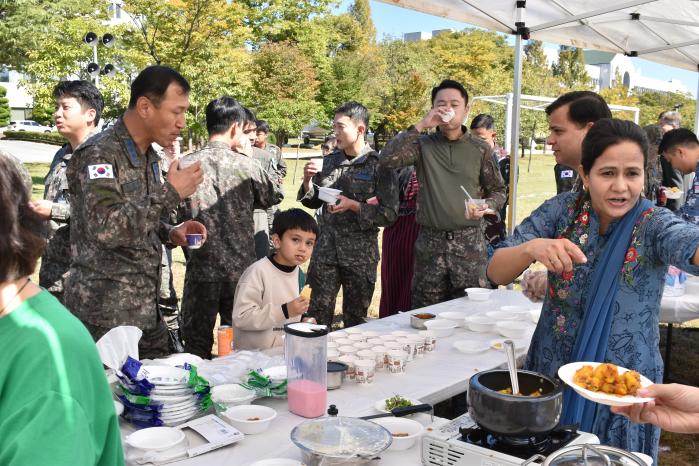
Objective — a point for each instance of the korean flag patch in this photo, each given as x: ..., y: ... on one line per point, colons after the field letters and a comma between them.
x: 103, y: 170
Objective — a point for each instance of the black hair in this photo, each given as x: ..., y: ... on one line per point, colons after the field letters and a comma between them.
x: 84, y: 92
x: 483, y: 121
x: 677, y: 137
x: 294, y: 219
x: 583, y: 107
x: 249, y: 116
x: 21, y: 243
x: 450, y: 84
x: 262, y: 126
x: 355, y: 111
x: 608, y: 132
x: 153, y: 82
x: 222, y: 113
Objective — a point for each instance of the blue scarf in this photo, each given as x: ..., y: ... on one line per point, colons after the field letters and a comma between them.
x: 593, y: 335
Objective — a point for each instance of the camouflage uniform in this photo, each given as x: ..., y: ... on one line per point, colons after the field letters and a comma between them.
x: 20, y: 168
x: 690, y: 210
x: 279, y: 167
x: 450, y: 251
x: 346, y: 253
x: 263, y: 217
x: 56, y: 259
x: 567, y: 179
x: 233, y: 186
x: 117, y: 203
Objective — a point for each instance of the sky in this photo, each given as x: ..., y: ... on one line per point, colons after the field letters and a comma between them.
x: 395, y: 21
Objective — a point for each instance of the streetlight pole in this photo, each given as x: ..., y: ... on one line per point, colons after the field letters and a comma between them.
x: 93, y: 68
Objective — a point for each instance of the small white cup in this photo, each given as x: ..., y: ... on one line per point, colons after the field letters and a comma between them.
x: 333, y: 355
x: 362, y: 345
x: 344, y: 350
x: 334, y: 336
x: 370, y: 334
x: 365, y: 371
x: 355, y: 337
x: 318, y: 163
x: 380, y: 356
x: 349, y: 360
x: 430, y: 340
x: 409, y: 347
x: 366, y: 354
x: 375, y: 341
x: 344, y: 342
x: 396, y: 361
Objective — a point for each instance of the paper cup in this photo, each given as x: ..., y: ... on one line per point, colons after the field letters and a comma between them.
x: 430, y: 340
x: 419, y: 345
x: 380, y: 356
x: 318, y: 163
x: 194, y: 240
x: 365, y: 371
x: 409, y: 346
x: 349, y: 360
x: 396, y: 361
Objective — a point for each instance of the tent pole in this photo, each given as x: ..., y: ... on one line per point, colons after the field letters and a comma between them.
x: 508, y: 123
x: 514, y: 134
x: 696, y: 112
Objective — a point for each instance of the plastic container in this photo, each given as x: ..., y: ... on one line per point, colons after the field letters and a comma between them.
x: 674, y: 282
x: 305, y: 351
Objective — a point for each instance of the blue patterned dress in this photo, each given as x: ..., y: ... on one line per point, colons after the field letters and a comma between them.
x: 659, y: 239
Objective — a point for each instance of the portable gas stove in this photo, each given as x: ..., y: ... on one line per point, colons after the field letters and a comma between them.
x: 462, y: 442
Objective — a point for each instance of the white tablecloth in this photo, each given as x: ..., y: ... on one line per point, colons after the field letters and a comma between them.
x: 438, y: 376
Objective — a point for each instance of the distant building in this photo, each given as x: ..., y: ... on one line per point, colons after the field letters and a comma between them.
x: 21, y: 103
x: 424, y: 35
x: 117, y: 15
x: 605, y: 67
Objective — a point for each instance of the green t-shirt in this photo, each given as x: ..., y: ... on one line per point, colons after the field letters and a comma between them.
x: 55, y: 404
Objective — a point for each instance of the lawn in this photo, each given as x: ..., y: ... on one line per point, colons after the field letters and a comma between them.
x: 536, y: 184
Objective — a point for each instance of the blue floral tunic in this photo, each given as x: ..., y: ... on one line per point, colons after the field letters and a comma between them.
x: 659, y: 239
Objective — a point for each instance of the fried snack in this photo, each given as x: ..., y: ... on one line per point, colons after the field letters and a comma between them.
x: 306, y: 292
x: 400, y: 434
x: 675, y: 189
x: 508, y: 391
x: 605, y: 378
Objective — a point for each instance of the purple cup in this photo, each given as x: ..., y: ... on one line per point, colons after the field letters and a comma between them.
x: 194, y: 240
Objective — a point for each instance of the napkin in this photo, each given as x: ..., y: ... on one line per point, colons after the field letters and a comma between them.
x: 118, y: 344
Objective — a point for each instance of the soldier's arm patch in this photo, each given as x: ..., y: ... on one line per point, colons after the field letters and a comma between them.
x: 102, y: 170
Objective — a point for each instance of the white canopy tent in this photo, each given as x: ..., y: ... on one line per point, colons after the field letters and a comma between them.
x: 663, y: 31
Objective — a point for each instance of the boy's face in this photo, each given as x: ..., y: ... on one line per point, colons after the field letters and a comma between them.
x: 294, y: 247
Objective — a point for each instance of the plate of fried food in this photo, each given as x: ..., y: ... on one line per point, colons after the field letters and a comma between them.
x: 673, y: 193
x: 605, y: 383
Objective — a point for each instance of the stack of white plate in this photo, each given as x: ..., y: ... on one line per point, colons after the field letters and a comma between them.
x: 172, y: 390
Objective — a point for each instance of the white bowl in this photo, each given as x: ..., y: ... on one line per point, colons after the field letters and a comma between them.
x: 515, y: 309
x: 478, y: 294
x: 232, y: 394
x: 276, y: 374
x: 502, y: 315
x: 512, y: 329
x: 156, y: 439
x: 470, y: 346
x: 440, y: 327
x: 479, y: 323
x: 397, y: 425
x: 328, y: 195
x: 240, y: 418
x: 455, y: 316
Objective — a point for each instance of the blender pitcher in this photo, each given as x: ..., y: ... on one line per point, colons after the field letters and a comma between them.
x: 305, y: 350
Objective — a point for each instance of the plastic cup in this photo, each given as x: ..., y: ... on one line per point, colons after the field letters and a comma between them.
x: 349, y: 360
x: 353, y: 330
x: 473, y: 205
x: 375, y: 341
x: 365, y: 371
x: 333, y: 355
x: 386, y: 338
x: 370, y: 334
x: 366, y: 354
x: 334, y: 336
x: 396, y: 361
x: 430, y: 340
x: 409, y: 347
x: 394, y: 345
x: 344, y: 342
x: 419, y: 345
x: 400, y: 333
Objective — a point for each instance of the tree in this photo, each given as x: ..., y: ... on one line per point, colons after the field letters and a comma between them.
x: 360, y: 10
x: 280, y: 20
x: 285, y: 86
x: 4, y: 108
x: 570, y: 69
x: 652, y: 103
x: 25, y: 25
x: 619, y: 94
x: 535, y: 56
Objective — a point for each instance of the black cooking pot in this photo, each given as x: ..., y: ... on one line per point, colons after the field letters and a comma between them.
x: 511, y: 415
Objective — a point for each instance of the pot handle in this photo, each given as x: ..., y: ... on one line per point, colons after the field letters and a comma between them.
x: 534, y: 459
x: 422, y: 408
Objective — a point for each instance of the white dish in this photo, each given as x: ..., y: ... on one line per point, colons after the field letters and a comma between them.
x: 155, y: 438
x: 178, y: 359
x: 171, y: 399
x: 502, y: 315
x: 479, y: 323
x: 276, y: 373
x: 171, y: 393
x: 498, y: 345
x: 232, y: 394
x: 180, y: 415
x: 118, y: 407
x: 478, y: 294
x: 512, y: 328
x: 455, y: 316
x: 403, y: 426
x: 440, y: 327
x: 380, y: 405
x: 470, y: 346
x: 179, y: 406
x: 672, y: 194
x: 328, y: 195
x: 166, y: 375
x: 239, y: 417
x: 567, y: 372
x: 277, y: 462
x: 515, y: 309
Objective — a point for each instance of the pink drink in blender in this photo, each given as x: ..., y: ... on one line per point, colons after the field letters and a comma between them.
x: 307, y: 398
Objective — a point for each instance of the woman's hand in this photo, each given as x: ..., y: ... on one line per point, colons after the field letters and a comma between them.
x: 676, y: 408
x: 557, y: 255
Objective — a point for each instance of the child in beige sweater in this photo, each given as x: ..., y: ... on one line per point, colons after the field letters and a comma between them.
x: 268, y: 294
